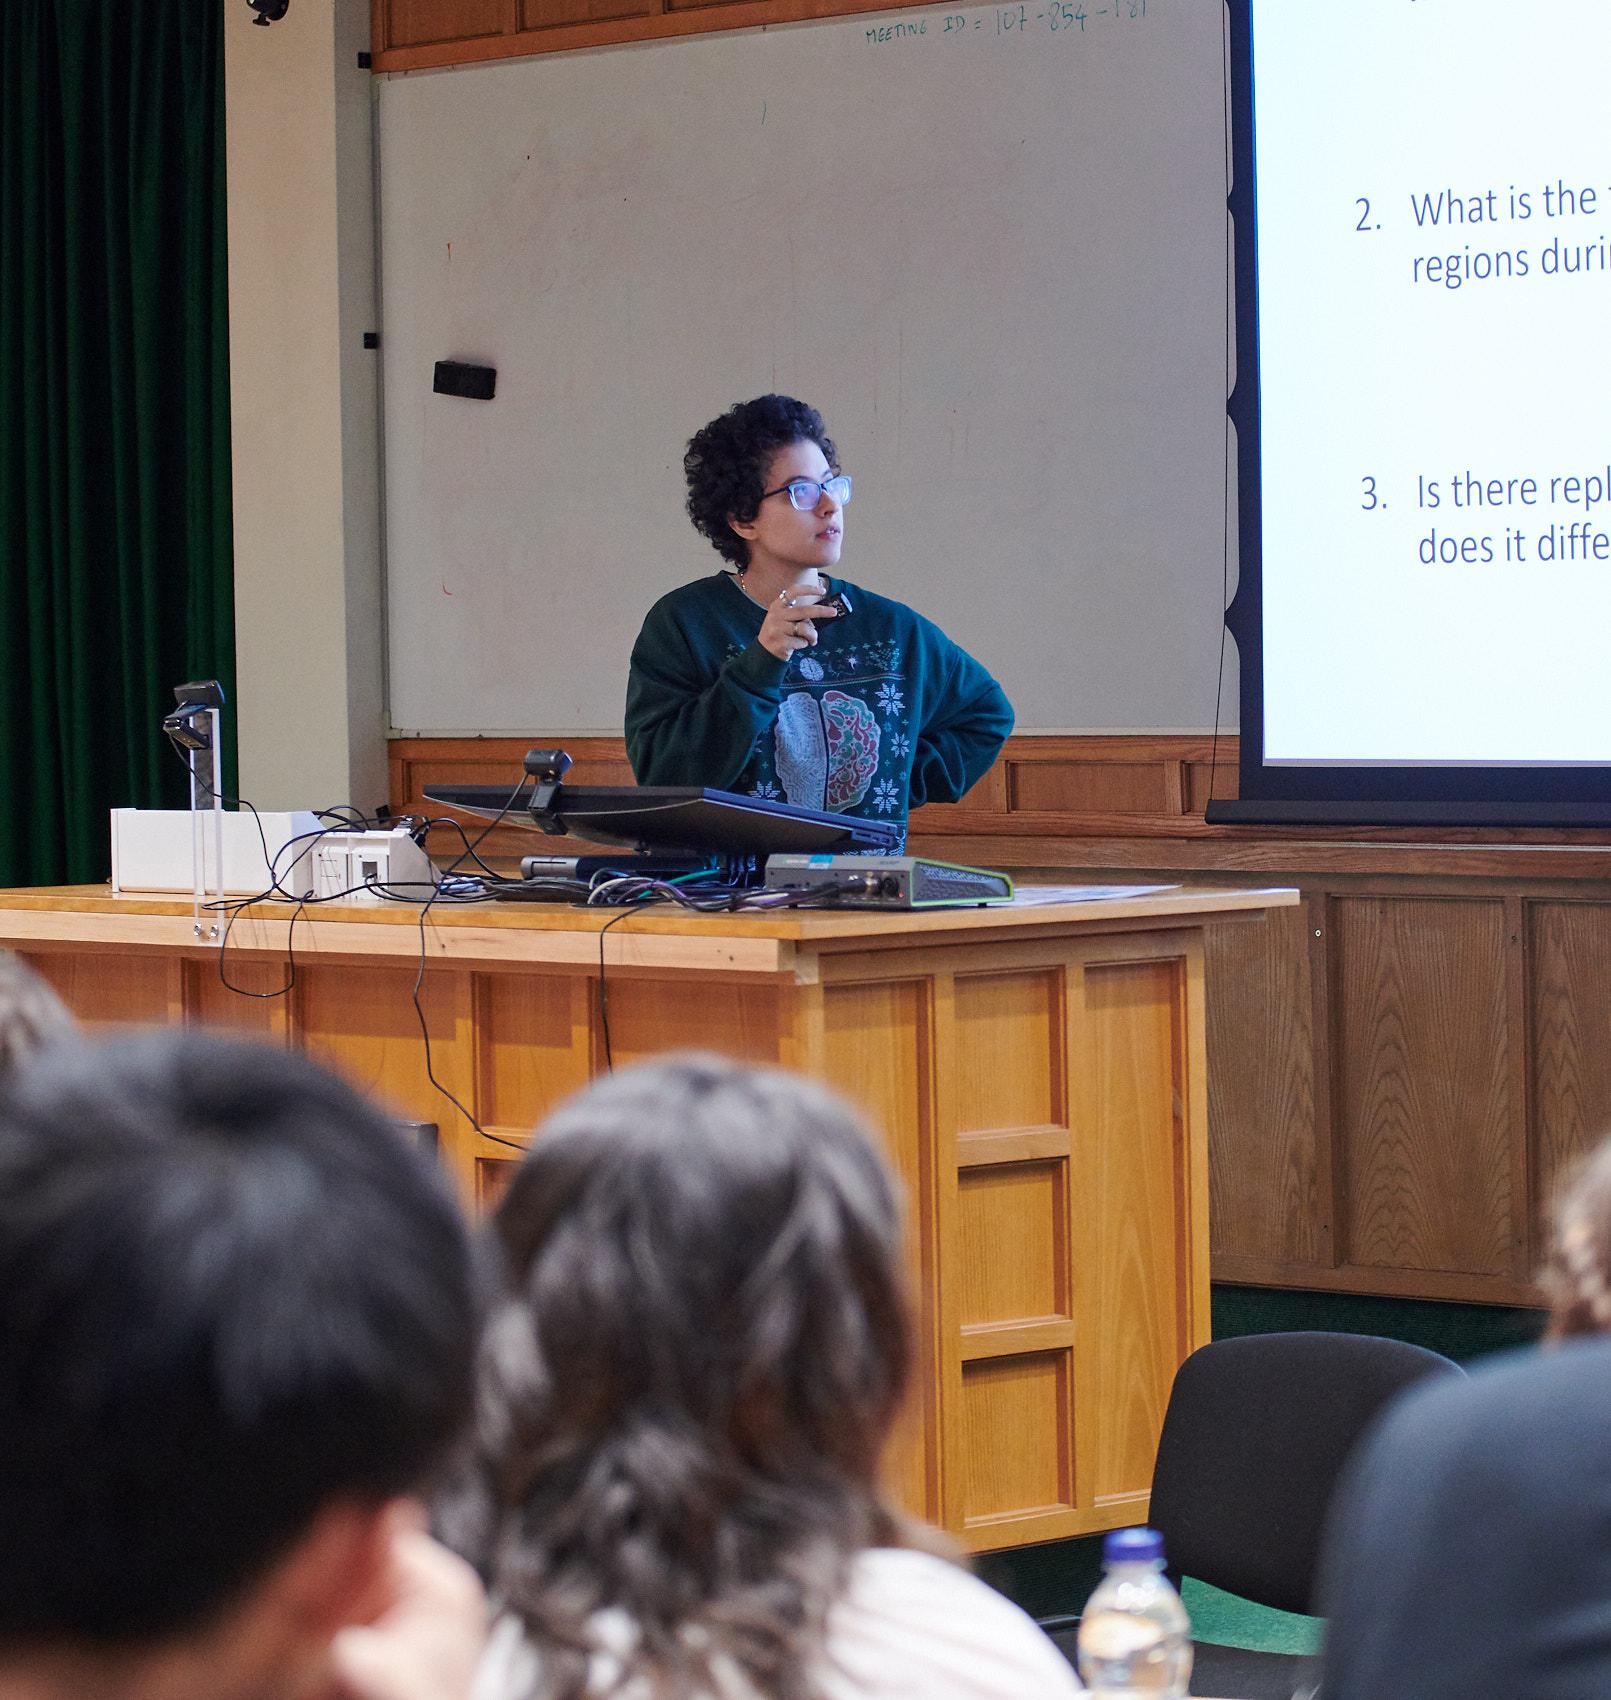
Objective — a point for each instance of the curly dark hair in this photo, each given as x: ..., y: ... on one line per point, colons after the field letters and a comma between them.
x: 700, y: 1350
x: 726, y: 464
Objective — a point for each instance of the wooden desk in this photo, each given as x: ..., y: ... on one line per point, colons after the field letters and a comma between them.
x: 1037, y: 1074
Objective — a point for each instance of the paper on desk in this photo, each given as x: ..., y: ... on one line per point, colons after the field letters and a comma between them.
x: 1033, y: 896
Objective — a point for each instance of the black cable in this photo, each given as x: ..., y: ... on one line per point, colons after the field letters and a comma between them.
x: 241, y: 803
x: 604, y: 996
x: 470, y: 848
x: 348, y: 814
x: 349, y: 818
x: 290, y: 955
x: 735, y: 900
x: 232, y: 909
x: 425, y: 1037
x: 233, y: 906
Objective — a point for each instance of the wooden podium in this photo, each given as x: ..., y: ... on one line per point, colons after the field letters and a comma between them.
x: 1037, y: 1074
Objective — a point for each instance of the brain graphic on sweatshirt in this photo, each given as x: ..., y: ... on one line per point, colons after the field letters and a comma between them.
x: 827, y: 751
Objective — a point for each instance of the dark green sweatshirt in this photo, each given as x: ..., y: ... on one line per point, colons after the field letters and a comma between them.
x: 883, y: 714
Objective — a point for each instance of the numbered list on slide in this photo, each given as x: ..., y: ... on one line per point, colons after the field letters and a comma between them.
x: 1434, y: 223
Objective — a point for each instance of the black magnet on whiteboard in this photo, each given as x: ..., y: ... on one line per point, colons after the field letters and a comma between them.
x: 454, y: 377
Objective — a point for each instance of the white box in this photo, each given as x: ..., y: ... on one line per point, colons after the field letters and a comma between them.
x: 151, y: 850
x: 349, y: 865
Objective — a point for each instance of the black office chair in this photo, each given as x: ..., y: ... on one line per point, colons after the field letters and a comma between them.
x: 1256, y: 1433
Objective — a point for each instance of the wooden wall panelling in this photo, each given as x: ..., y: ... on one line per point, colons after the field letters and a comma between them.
x: 111, y: 988
x: 540, y: 1039
x: 1150, y: 785
x: 260, y: 1015
x: 802, y: 1042
x: 1002, y: 1106
x: 879, y: 1034
x: 533, y: 1047
x: 955, y: 1033
x: 405, y: 34
x: 494, y: 1168
x: 648, y: 1017
x: 1523, y: 1134
x: 1568, y: 948
x: 1018, y: 1339
x: 418, y: 762
x: 438, y: 23
x: 1423, y: 1101
x: 1264, y: 1170
x: 1139, y: 1177
x: 1013, y: 1255
x: 539, y: 15
x: 1115, y: 788
x: 361, y: 1021
x: 1018, y: 1415
x: 1204, y: 779
x: 1084, y: 783
x: 1025, y: 1206
x: 988, y: 797
x: 943, y: 1039
x: 1330, y: 1203
x: 1111, y: 784
x: 1189, y: 1103
x: 1327, y: 1033
x: 1012, y: 1077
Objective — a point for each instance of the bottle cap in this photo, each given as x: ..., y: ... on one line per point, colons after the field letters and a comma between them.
x: 1133, y: 1546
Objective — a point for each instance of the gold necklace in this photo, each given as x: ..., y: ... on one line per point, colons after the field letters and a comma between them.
x: 738, y: 579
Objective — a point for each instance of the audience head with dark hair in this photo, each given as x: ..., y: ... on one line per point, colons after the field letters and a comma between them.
x: 237, y: 1329
x: 727, y: 461
x: 701, y: 1347
x: 1467, y: 1554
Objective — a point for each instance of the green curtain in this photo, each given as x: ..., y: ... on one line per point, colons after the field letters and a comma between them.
x: 115, y: 555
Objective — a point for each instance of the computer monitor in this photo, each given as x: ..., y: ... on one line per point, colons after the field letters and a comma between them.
x: 674, y: 817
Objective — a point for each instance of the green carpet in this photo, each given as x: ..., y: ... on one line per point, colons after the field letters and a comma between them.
x: 1461, y: 1332
x: 1053, y: 1581
x: 1231, y: 1621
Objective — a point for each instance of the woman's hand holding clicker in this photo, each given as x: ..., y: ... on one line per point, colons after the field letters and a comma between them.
x: 791, y: 621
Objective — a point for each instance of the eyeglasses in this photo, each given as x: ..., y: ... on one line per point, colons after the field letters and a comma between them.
x: 805, y: 493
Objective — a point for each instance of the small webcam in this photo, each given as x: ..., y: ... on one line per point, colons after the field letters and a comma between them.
x: 187, y: 725
x: 269, y: 11
x: 199, y: 693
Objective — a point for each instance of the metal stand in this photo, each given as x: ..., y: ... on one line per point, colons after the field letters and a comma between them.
x: 206, y: 799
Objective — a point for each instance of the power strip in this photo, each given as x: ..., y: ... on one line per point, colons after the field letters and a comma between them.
x: 352, y: 864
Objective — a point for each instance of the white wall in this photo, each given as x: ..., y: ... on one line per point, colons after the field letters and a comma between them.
x: 995, y: 260
x: 309, y: 704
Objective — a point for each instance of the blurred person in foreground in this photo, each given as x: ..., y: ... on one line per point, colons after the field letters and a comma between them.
x: 1469, y: 1556
x: 31, y: 1014
x: 688, y: 1384
x: 236, y: 1336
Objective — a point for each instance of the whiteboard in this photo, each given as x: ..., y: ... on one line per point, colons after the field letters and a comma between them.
x: 989, y: 245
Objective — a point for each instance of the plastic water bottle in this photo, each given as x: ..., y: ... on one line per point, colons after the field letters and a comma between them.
x: 1135, y: 1637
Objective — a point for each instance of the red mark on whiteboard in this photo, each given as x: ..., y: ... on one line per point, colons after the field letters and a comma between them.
x: 446, y: 591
